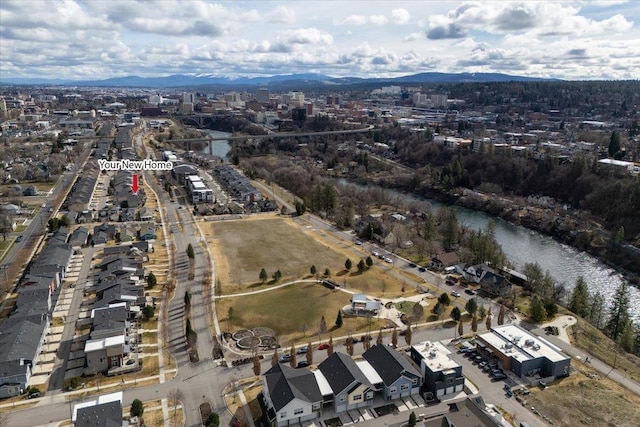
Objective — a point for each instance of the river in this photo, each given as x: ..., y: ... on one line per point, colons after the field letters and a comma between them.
x: 218, y: 148
x: 522, y: 245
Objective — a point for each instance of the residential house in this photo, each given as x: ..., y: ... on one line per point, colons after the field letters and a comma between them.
x: 441, y: 376
x: 444, y: 260
x: 101, y: 411
x: 490, y: 281
x: 399, y: 376
x: 79, y: 237
x: 291, y: 396
x: 147, y: 232
x: 146, y: 214
x: 350, y: 388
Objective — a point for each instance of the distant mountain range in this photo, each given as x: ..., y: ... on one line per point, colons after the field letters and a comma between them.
x: 184, y: 80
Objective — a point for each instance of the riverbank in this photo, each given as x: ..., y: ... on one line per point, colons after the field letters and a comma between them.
x: 570, y: 227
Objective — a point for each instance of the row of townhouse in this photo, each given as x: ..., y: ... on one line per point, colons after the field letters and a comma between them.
x: 292, y: 396
x: 236, y: 184
x: 24, y: 332
x: 187, y: 174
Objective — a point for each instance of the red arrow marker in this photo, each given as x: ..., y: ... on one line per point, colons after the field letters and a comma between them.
x: 134, y: 183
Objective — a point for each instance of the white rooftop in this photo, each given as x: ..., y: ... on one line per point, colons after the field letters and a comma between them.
x: 323, y: 384
x: 194, y: 178
x: 369, y: 372
x: 198, y: 185
x: 93, y: 345
x: 435, y: 356
x: 519, y: 344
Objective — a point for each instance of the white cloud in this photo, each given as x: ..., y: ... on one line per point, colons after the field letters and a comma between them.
x: 307, y: 36
x: 400, y: 16
x: 282, y: 15
x: 362, y: 20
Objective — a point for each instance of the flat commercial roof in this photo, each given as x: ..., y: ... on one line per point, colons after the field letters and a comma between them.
x: 518, y: 343
x: 435, y: 356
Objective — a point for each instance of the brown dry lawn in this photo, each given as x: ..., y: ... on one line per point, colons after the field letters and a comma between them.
x: 580, y: 400
x: 242, y: 248
x: 293, y: 312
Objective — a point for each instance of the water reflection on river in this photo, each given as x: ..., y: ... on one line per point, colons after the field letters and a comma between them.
x: 522, y: 245
x: 218, y: 148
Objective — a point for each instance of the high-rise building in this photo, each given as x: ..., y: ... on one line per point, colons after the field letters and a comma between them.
x: 262, y: 95
x: 188, y: 98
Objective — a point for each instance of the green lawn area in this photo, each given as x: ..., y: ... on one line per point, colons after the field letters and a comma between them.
x: 291, y: 309
x: 5, y: 244
x: 20, y: 228
x: 405, y: 306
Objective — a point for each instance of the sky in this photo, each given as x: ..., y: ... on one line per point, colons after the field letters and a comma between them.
x: 95, y: 39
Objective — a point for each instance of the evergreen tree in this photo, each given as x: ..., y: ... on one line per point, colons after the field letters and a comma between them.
x: 596, y: 309
x: 580, y: 298
x: 361, y: 266
x: 137, y: 408
x: 348, y: 264
x: 312, y: 270
x: 444, y: 299
x: 537, y: 311
x: 151, y: 280
x: 323, y: 326
x: 412, y: 420
x: 263, y: 275
x: 618, y: 312
x: 471, y: 306
x: 190, y: 252
x: 369, y: 262
x: 456, y: 314
x: 627, y: 337
x: 614, y: 144
x: 339, y: 319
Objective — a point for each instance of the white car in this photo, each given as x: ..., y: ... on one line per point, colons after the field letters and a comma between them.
x: 455, y: 294
x: 389, y: 260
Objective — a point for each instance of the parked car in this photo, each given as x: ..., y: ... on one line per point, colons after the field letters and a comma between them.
x: 302, y: 364
x: 449, y: 282
x: 302, y: 350
x: 412, y: 265
x: 470, y: 291
x: 323, y: 346
x: 285, y: 358
x: 375, y: 253
x: 455, y: 293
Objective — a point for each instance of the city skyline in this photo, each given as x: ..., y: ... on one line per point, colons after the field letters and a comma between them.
x: 88, y: 40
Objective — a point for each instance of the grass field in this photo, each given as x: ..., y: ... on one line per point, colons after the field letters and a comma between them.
x: 242, y: 248
x: 290, y: 310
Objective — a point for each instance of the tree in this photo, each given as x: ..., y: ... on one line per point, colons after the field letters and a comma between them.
x: 460, y: 328
x: 627, y: 338
x: 361, y: 266
x: 369, y: 262
x: 256, y: 365
x: 471, y: 306
x: 187, y: 300
x: 263, y: 275
x: 482, y: 312
x: 596, y: 309
x: 451, y: 230
x: 501, y: 315
x: 474, y: 324
x: 379, y: 340
x: 550, y: 307
x: 348, y: 264
x: 292, y: 358
x: 330, y: 348
x: 323, y: 327
x: 275, y: 359
x: 412, y: 420
x: 309, y: 353
x: 408, y: 335
x: 151, y: 280
x: 312, y: 270
x: 190, y: 252
x: 614, y: 144
x: 350, y: 346
x: 456, y: 314
x: 488, y: 321
x: 6, y: 226
x: 417, y: 311
x: 537, y: 311
x: 327, y: 272
x: 394, y: 338
x: 300, y: 208
x: 618, y: 312
x: 339, y: 319
x: 444, y: 299
x: 175, y: 396
x: 213, y: 420
x: 148, y: 311
x: 137, y: 408
x: 438, y: 309
x: 277, y: 275
x: 580, y: 298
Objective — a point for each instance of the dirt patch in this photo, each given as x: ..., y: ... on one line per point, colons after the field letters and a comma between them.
x: 585, y: 398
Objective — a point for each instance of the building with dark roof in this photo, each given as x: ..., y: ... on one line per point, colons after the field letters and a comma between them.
x: 349, y: 386
x: 290, y: 395
x: 400, y: 377
x: 441, y: 376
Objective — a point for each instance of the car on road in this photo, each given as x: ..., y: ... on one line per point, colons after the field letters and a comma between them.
x: 19, y: 238
x: 285, y: 358
x: 358, y: 242
x: 323, y: 346
x: 455, y: 294
x: 302, y: 364
x: 389, y: 260
x: 498, y: 377
x: 302, y: 350
x: 470, y: 291
x: 375, y: 253
x: 422, y: 269
x: 412, y: 265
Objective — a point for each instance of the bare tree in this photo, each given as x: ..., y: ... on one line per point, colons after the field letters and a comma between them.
x: 488, y: 320
x: 407, y: 335
x: 256, y: 364
x: 394, y: 338
x: 330, y: 348
x: 474, y: 324
x: 275, y: 359
x: 350, y: 346
x: 501, y: 315
x: 309, y: 354
x: 379, y: 340
x: 175, y: 396
x: 460, y: 328
x: 292, y: 358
